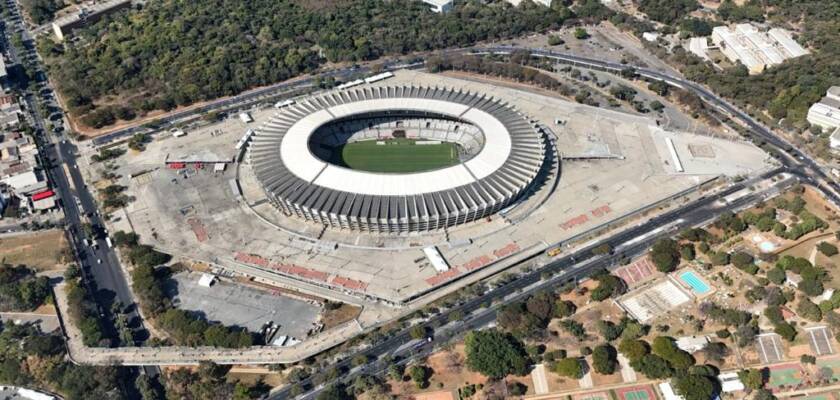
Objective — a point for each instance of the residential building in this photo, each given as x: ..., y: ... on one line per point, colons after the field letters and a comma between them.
x: 440, y: 6
x: 87, y: 14
x: 826, y: 112
x: 546, y: 3
x: 20, y: 174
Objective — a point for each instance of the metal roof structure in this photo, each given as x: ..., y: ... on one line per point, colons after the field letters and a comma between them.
x: 299, y: 182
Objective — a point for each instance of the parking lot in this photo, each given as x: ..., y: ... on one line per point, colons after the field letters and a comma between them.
x: 235, y: 304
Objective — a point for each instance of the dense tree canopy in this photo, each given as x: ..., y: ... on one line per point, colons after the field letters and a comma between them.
x: 495, y: 354
x: 667, y: 11
x: 179, y: 52
x: 20, y: 289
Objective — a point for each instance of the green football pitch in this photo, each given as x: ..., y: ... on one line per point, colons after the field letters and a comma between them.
x: 396, y: 155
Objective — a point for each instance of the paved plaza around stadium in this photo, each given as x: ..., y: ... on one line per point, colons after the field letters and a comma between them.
x: 614, y: 164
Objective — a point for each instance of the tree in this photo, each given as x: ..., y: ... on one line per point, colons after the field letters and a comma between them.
x: 827, y: 249
x: 564, y: 308
x: 745, y: 262
x: 753, y: 379
x: 418, y: 332
x: 633, y: 349
x: 396, y: 372
x: 776, y: 275
x: 495, y: 354
x: 420, y: 375
x: 808, y: 359
x: 666, y: 348
x: 569, y: 367
x: 608, y: 286
x: 665, y: 255
x: 694, y: 387
x: 581, y: 34
x: 808, y: 310
x: 653, y: 366
x: 604, y: 359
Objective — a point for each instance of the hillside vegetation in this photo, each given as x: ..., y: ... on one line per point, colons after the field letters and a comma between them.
x: 177, y: 52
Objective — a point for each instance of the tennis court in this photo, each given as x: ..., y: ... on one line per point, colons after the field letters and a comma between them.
x: 636, y: 393
x: 636, y: 272
x: 397, y: 155
x: 786, y: 375
x: 820, y: 340
x: 770, y: 348
x: 592, y: 396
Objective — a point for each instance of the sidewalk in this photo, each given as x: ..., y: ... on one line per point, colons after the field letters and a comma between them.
x: 180, y: 355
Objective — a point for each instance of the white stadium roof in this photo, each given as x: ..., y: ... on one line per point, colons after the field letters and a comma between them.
x: 298, y: 181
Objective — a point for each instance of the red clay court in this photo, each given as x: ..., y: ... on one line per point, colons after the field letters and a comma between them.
x: 643, y: 392
x: 636, y: 272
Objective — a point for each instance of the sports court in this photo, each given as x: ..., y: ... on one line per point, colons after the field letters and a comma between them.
x: 592, y: 396
x: 636, y: 272
x: 820, y: 340
x: 644, y: 392
x: 397, y: 155
x: 833, y: 364
x: 822, y: 396
x: 769, y: 346
x: 785, y: 375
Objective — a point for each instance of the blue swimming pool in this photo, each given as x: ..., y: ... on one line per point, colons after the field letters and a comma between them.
x: 697, y: 285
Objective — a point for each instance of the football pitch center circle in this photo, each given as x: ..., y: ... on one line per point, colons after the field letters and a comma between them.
x: 419, y: 159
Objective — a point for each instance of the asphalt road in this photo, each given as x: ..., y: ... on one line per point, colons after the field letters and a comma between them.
x: 99, y: 263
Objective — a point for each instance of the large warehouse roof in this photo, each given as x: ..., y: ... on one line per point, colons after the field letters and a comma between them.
x: 301, y: 182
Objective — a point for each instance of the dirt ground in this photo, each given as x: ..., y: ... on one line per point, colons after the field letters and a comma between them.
x: 42, y: 251
x: 333, y: 318
x: 450, y: 373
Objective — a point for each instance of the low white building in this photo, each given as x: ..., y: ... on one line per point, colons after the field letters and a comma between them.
x: 699, y: 46
x: 245, y: 117
x: 668, y: 392
x: 755, y: 49
x: 440, y: 6
x: 650, y: 36
x: 826, y: 112
x: 729, y: 382
x: 206, y: 280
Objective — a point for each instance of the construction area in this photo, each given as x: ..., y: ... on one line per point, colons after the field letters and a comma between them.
x: 209, y: 207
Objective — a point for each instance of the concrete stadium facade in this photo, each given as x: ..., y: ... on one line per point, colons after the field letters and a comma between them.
x: 503, y: 155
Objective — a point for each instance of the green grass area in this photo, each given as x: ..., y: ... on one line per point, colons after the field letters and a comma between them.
x: 396, y: 156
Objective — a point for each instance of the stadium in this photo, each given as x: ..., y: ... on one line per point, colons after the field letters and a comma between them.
x: 396, y: 160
